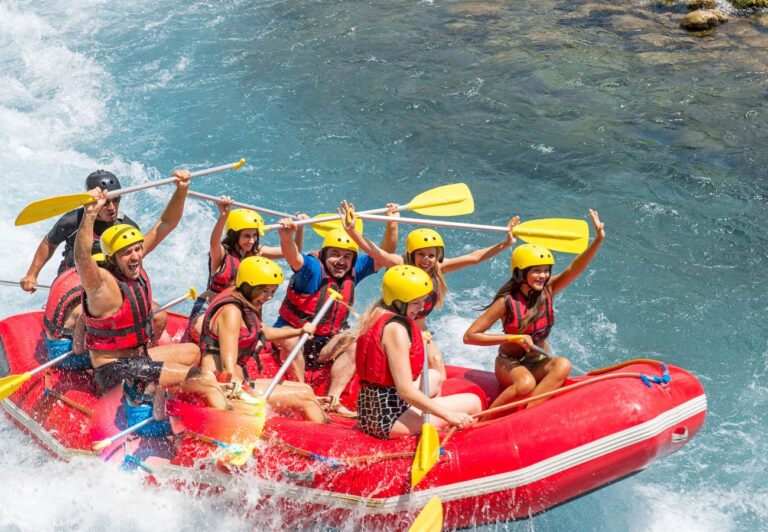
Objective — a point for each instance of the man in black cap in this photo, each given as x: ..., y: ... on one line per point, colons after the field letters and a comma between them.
x: 66, y: 227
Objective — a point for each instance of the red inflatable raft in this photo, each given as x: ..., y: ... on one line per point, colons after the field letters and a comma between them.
x: 513, y: 467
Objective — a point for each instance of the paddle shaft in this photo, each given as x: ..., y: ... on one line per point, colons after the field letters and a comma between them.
x: 207, y: 171
x: 16, y: 284
x: 517, y: 231
x: 50, y: 363
x: 238, y: 204
x: 295, y: 351
x: 108, y: 441
x: 425, y: 380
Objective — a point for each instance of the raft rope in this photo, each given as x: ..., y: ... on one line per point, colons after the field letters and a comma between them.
x: 348, y: 461
x: 647, y: 380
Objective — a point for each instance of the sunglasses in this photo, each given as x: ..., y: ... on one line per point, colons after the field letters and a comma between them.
x: 113, y: 201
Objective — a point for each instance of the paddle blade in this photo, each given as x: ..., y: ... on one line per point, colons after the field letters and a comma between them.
x: 321, y: 228
x: 11, y: 383
x: 48, y: 207
x: 430, y: 519
x: 558, y: 234
x: 427, y: 453
x: 448, y: 200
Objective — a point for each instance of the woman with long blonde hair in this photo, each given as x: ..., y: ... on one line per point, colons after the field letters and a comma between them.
x: 425, y: 249
x: 390, y: 358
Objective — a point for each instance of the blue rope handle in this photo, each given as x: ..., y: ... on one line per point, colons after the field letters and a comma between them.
x: 665, y: 378
x: 130, y: 462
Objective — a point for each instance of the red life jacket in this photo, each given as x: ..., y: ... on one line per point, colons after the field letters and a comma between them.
x: 64, y: 295
x: 227, y: 272
x: 299, y: 308
x: 130, y: 326
x: 251, y: 336
x: 517, y: 307
x: 371, y: 360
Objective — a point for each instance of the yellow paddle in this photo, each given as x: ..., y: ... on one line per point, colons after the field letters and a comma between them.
x: 558, y: 234
x: 447, y: 200
x: 430, y: 519
x: 11, y: 383
x: 45, y: 208
x: 428, y: 449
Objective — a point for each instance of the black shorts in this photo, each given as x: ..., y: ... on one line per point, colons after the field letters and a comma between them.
x: 312, y: 350
x: 142, y: 369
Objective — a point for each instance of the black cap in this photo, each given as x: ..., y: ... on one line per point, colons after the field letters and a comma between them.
x: 103, y: 179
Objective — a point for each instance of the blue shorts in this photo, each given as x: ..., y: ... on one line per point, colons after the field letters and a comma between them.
x: 56, y: 348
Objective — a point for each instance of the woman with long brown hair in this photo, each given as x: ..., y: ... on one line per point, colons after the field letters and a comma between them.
x: 524, y: 304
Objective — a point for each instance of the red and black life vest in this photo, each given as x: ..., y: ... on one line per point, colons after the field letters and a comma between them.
x: 227, y: 272
x: 130, y: 326
x: 64, y: 295
x: 251, y: 337
x: 371, y: 360
x: 299, y: 308
x: 517, y: 306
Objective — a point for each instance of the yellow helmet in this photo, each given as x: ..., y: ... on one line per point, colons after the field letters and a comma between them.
x: 240, y: 219
x: 258, y: 271
x: 405, y: 283
x: 528, y: 255
x: 423, y: 238
x: 99, y: 257
x: 119, y: 236
x: 338, y: 238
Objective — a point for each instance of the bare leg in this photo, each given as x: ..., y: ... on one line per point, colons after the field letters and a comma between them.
x: 342, y: 371
x: 435, y: 359
x: 187, y: 354
x: 411, y: 420
x: 550, y: 375
x: 294, y: 397
x: 297, y: 366
x: 516, y: 381
x: 194, y: 381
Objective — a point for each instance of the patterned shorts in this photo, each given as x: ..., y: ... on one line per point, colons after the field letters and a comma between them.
x: 378, y: 409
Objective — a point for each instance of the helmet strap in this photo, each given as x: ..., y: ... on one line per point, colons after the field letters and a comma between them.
x: 400, y: 307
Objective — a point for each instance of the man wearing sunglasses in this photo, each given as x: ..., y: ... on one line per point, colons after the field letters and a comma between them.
x: 66, y: 227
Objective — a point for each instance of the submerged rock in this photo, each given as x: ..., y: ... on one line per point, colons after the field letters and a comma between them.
x: 699, y: 20
x: 749, y: 4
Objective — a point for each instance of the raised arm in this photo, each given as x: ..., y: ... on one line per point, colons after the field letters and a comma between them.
x: 92, y: 278
x: 381, y: 258
x: 43, y: 254
x: 171, y: 215
x: 389, y: 241
x: 477, y: 333
x: 217, y: 250
x: 288, y: 246
x: 580, y: 263
x: 275, y: 252
x: 480, y: 255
